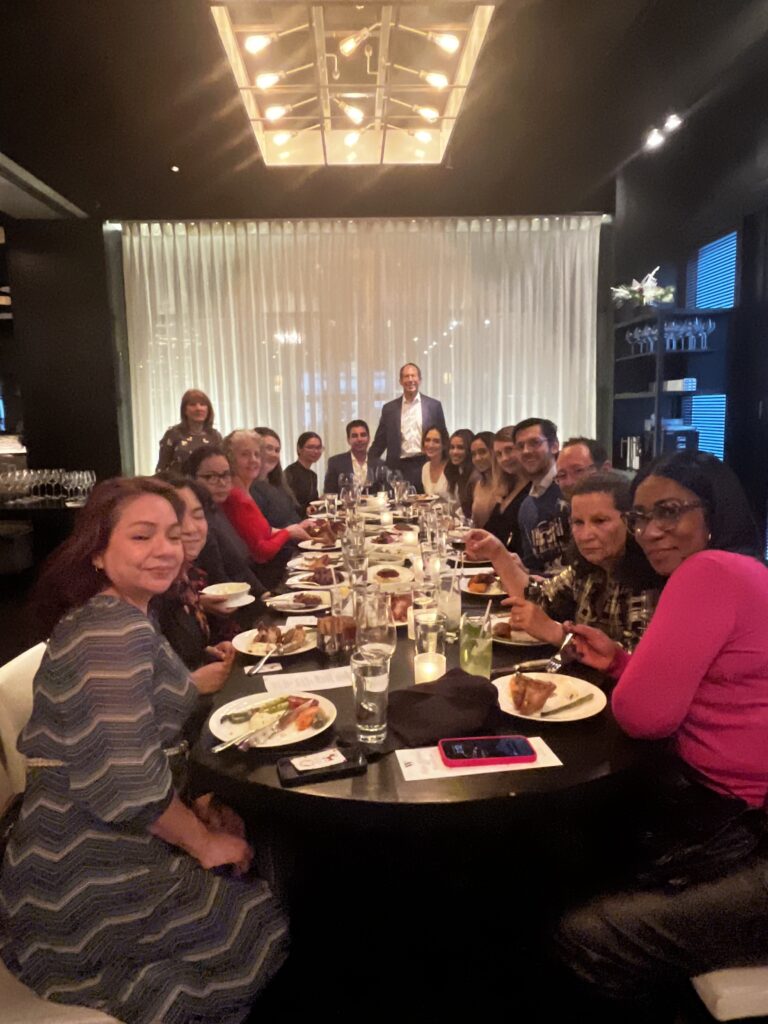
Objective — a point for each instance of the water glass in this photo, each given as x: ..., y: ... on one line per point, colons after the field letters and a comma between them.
x: 370, y: 679
x: 356, y: 566
x: 376, y: 630
x: 423, y: 597
x: 449, y: 602
x: 475, y: 645
x: 429, y: 660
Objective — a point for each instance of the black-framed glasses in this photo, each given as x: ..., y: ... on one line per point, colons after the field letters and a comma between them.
x: 666, y: 515
x: 210, y: 477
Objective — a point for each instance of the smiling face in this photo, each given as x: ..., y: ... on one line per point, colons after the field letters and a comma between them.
x: 573, y: 463
x: 537, y: 455
x: 482, y: 459
x: 194, y: 525
x: 270, y: 454
x: 196, y: 411
x: 144, y: 552
x: 457, y: 450
x: 359, y: 439
x: 246, y: 459
x: 410, y: 381
x: 667, y: 546
x: 215, y: 474
x: 433, y: 446
x: 311, y: 451
x: 598, y: 529
x: 506, y: 455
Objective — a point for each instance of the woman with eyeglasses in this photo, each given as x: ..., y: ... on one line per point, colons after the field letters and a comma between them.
x: 194, y: 430
x: 299, y: 476
x: 698, y: 681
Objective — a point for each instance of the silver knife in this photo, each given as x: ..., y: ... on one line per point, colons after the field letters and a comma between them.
x: 565, y: 707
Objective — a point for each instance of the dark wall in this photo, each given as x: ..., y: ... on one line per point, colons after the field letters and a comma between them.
x: 63, y: 337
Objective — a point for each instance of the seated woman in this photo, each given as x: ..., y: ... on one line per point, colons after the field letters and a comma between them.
x: 512, y: 485
x: 485, y: 493
x: 608, y: 582
x: 434, y: 444
x: 270, y: 490
x: 299, y: 476
x: 459, y: 471
x: 267, y: 546
x: 194, y: 430
x: 699, y: 681
x: 108, y: 896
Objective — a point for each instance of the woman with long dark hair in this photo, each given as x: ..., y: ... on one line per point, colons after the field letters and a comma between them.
x: 194, y: 430
x: 108, y: 893
x: 270, y: 489
x: 459, y: 471
x: 485, y: 493
x: 434, y: 444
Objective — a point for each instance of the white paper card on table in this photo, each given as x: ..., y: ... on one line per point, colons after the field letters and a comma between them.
x: 425, y: 763
x: 302, y: 620
x: 324, y: 679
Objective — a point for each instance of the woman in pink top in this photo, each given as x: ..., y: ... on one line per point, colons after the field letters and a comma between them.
x: 699, y: 679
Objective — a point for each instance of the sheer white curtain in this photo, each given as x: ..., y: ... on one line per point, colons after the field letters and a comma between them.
x: 303, y: 325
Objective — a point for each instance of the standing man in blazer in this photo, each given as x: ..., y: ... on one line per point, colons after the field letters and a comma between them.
x: 357, y: 462
x: 402, y: 425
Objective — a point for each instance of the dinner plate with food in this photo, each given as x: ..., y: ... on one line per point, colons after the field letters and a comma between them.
x: 286, y: 640
x: 504, y: 633
x: 328, y: 576
x: 308, y: 563
x: 400, y: 604
x: 388, y: 576
x: 319, y: 544
x: 276, y: 721
x: 300, y: 601
x: 482, y: 584
x: 549, y: 696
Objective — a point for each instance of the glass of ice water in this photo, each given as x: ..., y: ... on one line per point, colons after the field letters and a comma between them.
x: 370, y: 674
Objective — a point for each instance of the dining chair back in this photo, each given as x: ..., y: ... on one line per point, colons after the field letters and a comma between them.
x: 15, y: 708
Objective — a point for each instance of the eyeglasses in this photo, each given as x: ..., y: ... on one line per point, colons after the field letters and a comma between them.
x: 576, y: 472
x: 532, y: 446
x: 665, y: 513
x: 210, y: 477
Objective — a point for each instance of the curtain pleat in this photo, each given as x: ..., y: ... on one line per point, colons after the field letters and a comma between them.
x: 303, y: 325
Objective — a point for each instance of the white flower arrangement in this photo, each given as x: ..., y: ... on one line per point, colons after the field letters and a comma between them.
x: 647, y: 292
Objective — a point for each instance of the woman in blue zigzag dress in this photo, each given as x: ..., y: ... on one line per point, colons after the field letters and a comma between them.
x: 108, y: 897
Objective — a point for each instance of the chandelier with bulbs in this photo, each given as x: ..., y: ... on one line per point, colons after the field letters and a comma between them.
x: 339, y: 83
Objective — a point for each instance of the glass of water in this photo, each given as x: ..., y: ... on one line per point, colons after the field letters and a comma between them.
x: 370, y: 679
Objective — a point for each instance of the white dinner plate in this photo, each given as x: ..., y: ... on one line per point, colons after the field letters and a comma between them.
x: 403, y: 575
x: 287, y: 602
x: 517, y: 638
x: 568, y: 689
x: 495, y: 589
x: 243, y: 643
x: 317, y: 545
x: 302, y: 582
x: 300, y: 563
x: 229, y: 730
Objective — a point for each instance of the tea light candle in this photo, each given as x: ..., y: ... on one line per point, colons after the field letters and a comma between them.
x: 387, y: 519
x: 428, y: 667
x: 381, y: 499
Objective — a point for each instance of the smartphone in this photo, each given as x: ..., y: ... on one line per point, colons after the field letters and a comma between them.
x: 321, y: 766
x: 486, y: 750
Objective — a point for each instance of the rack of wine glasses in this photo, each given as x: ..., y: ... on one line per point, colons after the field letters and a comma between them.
x: 679, y: 336
x: 20, y: 488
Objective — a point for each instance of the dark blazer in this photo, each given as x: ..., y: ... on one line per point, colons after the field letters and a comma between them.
x: 338, y: 464
x: 388, y: 431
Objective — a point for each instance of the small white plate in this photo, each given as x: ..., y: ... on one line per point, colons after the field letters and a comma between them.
x: 517, y: 638
x: 229, y: 730
x: 240, y: 602
x: 495, y: 589
x: 302, y: 582
x: 403, y: 576
x: 300, y: 563
x: 287, y: 602
x: 243, y: 643
x: 317, y: 545
x: 568, y: 689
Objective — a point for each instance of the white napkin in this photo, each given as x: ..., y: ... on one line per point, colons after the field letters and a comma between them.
x: 322, y: 679
x: 425, y: 763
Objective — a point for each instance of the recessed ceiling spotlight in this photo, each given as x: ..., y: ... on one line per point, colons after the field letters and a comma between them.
x: 654, y: 139
x: 175, y: 168
x: 672, y: 123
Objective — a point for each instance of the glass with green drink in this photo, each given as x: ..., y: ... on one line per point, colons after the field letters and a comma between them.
x: 475, y: 645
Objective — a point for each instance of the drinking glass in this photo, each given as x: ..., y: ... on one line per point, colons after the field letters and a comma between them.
x: 423, y: 597
x: 370, y: 679
x: 376, y: 630
x: 475, y: 645
x: 429, y: 660
x: 449, y: 602
x: 356, y: 565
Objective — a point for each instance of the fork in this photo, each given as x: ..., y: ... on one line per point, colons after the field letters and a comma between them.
x: 563, y: 656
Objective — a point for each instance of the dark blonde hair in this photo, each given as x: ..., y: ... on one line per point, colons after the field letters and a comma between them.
x: 193, y: 395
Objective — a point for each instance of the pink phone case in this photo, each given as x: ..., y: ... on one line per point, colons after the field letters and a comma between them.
x: 479, y: 761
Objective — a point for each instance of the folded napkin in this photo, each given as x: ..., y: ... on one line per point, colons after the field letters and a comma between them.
x: 459, y: 704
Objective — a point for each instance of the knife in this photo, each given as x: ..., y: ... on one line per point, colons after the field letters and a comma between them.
x: 566, y: 707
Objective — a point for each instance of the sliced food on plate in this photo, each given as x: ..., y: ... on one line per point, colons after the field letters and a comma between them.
x: 300, y: 601
x: 504, y: 633
x: 389, y: 576
x: 266, y: 721
x: 284, y: 639
x: 549, y: 696
x: 325, y: 577
x: 484, y: 584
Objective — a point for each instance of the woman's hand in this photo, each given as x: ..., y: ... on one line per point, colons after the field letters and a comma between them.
x: 592, y: 646
x: 482, y: 546
x: 211, y: 678
x: 297, y: 531
x: 534, y: 620
x: 222, y: 848
x: 215, y: 604
x: 218, y: 816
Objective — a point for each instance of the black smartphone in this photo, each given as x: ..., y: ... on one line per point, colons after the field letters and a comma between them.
x: 321, y: 766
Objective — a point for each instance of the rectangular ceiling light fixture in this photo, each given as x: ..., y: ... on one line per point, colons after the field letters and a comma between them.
x: 350, y: 84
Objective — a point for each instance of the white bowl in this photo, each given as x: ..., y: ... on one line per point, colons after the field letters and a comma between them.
x: 236, y: 593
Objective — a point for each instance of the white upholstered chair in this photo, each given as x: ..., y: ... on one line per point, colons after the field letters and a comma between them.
x: 15, y: 708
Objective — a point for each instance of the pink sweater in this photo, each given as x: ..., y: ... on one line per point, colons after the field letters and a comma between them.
x: 700, y: 672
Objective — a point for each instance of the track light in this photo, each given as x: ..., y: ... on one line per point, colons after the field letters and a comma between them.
x: 256, y: 43
x: 447, y: 42
x: 269, y: 79
x: 278, y: 110
x: 428, y: 113
x: 434, y: 78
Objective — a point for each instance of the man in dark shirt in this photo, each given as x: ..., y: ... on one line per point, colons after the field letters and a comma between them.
x: 544, y: 519
x: 300, y: 477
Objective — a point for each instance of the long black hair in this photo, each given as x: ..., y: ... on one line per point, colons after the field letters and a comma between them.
x: 458, y: 477
x: 727, y: 512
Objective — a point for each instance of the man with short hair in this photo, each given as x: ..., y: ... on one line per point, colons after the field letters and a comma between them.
x: 578, y: 457
x: 543, y: 518
x: 402, y: 425
x: 357, y: 463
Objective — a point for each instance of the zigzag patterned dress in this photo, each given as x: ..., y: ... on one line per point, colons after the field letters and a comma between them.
x: 95, y: 910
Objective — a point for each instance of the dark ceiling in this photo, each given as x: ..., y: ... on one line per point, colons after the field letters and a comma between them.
x: 99, y: 98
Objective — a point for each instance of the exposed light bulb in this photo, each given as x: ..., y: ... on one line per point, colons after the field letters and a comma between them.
x: 275, y: 113
x: 351, y: 138
x: 436, y: 79
x: 354, y: 114
x: 268, y: 79
x: 447, y: 42
x: 280, y: 138
x: 654, y: 139
x: 348, y: 45
x: 428, y: 113
x: 255, y: 44
x: 422, y: 135
x: 672, y: 123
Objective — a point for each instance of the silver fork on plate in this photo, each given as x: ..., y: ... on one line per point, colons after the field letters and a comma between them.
x: 564, y: 656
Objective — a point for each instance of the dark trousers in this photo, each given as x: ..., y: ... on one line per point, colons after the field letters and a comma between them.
x: 411, y: 470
